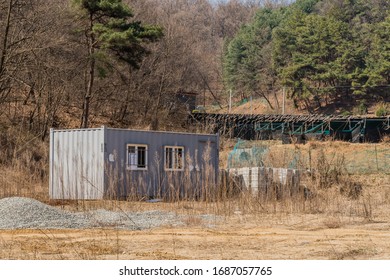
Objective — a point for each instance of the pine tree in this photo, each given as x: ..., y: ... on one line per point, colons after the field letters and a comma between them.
x: 109, y: 31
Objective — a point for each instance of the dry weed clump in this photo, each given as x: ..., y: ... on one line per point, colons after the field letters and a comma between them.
x: 329, y: 170
x: 333, y: 222
x: 351, y: 189
x: 193, y: 221
x: 386, y: 139
x: 23, y: 164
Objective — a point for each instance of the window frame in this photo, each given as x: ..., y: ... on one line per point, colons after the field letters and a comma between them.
x: 136, y: 167
x: 175, y: 150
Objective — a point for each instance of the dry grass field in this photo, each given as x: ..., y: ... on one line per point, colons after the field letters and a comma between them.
x: 248, y: 236
x: 346, y: 217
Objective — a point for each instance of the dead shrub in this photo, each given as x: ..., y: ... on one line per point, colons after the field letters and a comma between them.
x: 332, y: 223
x: 386, y: 139
x: 230, y: 185
x: 351, y: 189
x: 329, y: 170
x: 193, y: 221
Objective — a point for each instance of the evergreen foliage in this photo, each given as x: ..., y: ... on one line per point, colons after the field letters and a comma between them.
x: 316, y: 49
x: 109, y: 30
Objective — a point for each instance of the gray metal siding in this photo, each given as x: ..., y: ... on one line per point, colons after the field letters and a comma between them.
x: 156, y: 181
x: 76, y: 164
x: 91, y: 164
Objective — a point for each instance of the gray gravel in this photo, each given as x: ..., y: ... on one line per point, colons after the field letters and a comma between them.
x: 20, y: 212
x: 27, y: 213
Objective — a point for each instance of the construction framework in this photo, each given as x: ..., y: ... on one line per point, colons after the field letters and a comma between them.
x: 295, y: 128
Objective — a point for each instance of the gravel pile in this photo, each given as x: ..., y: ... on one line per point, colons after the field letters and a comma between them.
x: 27, y: 213
x: 20, y: 212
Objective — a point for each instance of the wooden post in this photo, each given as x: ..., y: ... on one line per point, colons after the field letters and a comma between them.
x: 284, y: 101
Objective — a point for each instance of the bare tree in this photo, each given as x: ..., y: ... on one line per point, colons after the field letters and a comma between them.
x: 44, y: 75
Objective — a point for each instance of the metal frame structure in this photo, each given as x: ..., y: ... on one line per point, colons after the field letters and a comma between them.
x: 295, y: 127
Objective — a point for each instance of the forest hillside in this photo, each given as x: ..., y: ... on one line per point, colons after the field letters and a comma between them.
x: 147, y: 63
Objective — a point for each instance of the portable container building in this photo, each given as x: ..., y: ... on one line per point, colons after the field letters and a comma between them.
x: 97, y: 163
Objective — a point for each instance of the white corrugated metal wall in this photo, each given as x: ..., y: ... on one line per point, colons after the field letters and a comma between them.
x: 77, y: 164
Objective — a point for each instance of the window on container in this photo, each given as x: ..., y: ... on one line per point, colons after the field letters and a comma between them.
x: 174, y: 158
x: 137, y: 157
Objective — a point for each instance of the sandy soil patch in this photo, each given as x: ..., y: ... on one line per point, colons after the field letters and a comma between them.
x: 239, y: 237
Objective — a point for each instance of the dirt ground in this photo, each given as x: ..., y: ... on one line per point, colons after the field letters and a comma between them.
x: 280, y: 237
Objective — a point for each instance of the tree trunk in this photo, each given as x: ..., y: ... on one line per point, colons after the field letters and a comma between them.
x: 6, y: 31
x: 308, y: 106
x: 275, y: 94
x: 91, y: 75
x: 3, y: 92
x: 276, y: 98
x: 155, y: 120
x: 266, y: 99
